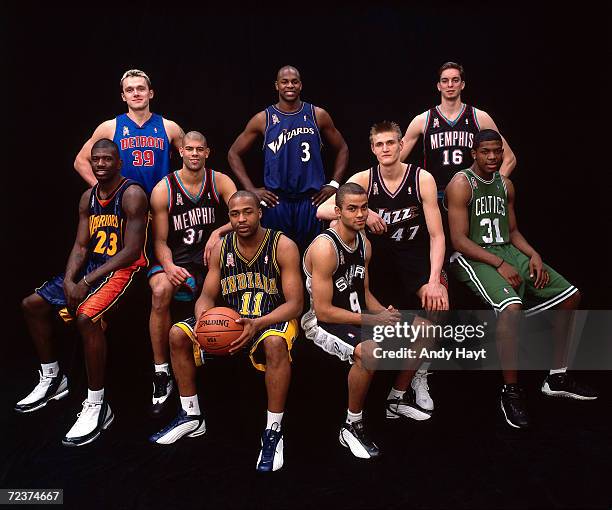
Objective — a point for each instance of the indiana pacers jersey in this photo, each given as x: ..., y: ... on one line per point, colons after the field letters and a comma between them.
x: 489, y: 224
x: 107, y: 222
x: 349, y: 276
x: 145, y: 150
x: 448, y: 143
x: 402, y: 212
x: 292, y: 151
x: 191, y: 219
x: 251, y: 287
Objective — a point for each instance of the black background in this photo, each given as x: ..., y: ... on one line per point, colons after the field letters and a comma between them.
x: 539, y: 74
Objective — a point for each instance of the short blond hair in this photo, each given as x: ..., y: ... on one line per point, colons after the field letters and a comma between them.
x: 134, y: 73
x: 385, y: 126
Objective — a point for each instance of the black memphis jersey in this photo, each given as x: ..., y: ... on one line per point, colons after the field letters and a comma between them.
x: 447, y: 144
x: 402, y: 212
x: 349, y: 276
x: 251, y: 287
x: 191, y: 219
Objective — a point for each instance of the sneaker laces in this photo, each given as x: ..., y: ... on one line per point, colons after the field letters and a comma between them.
x: 160, y: 384
x: 88, y: 407
x: 420, y: 379
x: 359, y: 428
x: 270, y: 440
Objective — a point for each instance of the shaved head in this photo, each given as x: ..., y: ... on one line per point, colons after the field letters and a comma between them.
x: 288, y: 68
x: 244, y: 194
x: 195, y: 136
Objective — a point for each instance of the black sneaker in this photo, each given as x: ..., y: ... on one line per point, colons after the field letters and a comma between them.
x: 353, y: 436
x: 406, y: 407
x: 162, y: 389
x: 564, y: 385
x: 271, y: 454
x: 48, y: 388
x: 514, y: 406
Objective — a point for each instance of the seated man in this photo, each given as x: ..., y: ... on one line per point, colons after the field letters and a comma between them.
x: 188, y: 220
x: 251, y: 254
x: 108, y: 251
x: 499, y: 265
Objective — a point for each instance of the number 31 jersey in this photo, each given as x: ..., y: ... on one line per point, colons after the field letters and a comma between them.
x: 292, y: 151
x: 191, y: 219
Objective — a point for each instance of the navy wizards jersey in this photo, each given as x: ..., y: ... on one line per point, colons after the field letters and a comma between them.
x: 144, y: 150
x: 107, y: 222
x: 403, y: 213
x: 292, y: 152
x: 448, y: 144
x: 191, y: 219
x: 251, y: 287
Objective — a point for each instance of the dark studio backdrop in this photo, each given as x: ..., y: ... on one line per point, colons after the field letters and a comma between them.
x: 535, y: 72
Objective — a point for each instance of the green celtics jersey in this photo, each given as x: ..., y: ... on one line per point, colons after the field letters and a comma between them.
x: 489, y: 222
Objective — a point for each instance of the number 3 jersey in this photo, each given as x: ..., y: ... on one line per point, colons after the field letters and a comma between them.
x: 251, y: 287
x: 403, y: 213
x: 144, y: 150
x: 191, y: 219
x: 448, y: 143
x: 107, y: 222
x: 292, y: 151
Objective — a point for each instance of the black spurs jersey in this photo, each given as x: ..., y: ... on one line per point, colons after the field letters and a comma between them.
x: 191, y: 219
x: 447, y: 143
x: 402, y: 212
x: 251, y: 287
x: 349, y: 276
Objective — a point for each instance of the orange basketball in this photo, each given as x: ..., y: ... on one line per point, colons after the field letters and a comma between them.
x: 217, y: 329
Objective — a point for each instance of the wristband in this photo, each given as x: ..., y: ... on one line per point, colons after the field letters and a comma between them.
x: 86, y: 282
x: 500, y: 264
x: 333, y: 184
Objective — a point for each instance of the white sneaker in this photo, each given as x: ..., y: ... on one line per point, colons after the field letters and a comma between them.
x: 421, y: 390
x: 48, y: 388
x: 95, y: 417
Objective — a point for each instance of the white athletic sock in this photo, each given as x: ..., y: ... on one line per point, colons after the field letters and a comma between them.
x: 353, y: 417
x: 95, y: 396
x: 50, y: 369
x: 558, y: 371
x: 274, y: 418
x: 163, y: 367
x: 191, y: 405
x: 393, y: 394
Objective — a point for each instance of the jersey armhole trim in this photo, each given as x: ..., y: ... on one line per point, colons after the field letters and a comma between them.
x: 467, y: 178
x: 265, y: 136
x: 330, y: 239
x: 213, y: 185
x: 417, y: 184
x: 475, y: 116
x: 169, y: 192
x: 314, y: 119
x: 274, y: 250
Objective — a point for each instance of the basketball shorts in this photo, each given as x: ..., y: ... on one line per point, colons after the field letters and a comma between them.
x: 191, y: 287
x: 296, y: 218
x: 103, y: 295
x: 286, y: 330
x: 493, y: 289
x: 336, y: 339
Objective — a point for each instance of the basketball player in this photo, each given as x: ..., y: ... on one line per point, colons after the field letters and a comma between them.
x: 407, y: 244
x: 448, y: 130
x: 500, y: 266
x: 294, y: 177
x: 144, y: 138
x: 107, y: 254
x: 255, y: 271
x: 336, y: 267
x: 187, y: 223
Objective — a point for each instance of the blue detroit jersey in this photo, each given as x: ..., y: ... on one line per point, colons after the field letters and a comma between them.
x: 292, y: 151
x: 145, y: 150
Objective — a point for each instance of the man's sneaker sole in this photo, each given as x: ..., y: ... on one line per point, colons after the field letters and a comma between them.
x: 566, y: 394
x: 411, y: 412
x: 43, y: 403
x: 182, y: 430
x: 506, y: 417
x: 104, y: 426
x: 354, y: 446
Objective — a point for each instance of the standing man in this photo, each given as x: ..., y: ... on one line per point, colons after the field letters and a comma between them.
x: 448, y: 130
x: 188, y: 220
x: 108, y: 251
x: 143, y: 137
x: 256, y: 271
x: 407, y: 245
x: 336, y: 267
x: 294, y: 177
x: 498, y: 264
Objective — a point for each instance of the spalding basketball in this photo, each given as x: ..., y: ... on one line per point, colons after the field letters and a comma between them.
x: 217, y: 329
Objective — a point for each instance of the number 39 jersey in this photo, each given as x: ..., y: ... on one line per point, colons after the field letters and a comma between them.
x: 251, y: 287
x: 107, y: 222
x: 403, y: 213
x: 448, y: 144
x: 191, y: 219
x: 489, y: 222
x: 292, y: 151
